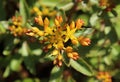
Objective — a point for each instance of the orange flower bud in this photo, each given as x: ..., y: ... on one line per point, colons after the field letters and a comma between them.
x: 45, y: 11
x: 35, y: 29
x: 73, y: 55
x: 46, y: 22
x: 59, y: 57
x: 35, y: 9
x: 70, y: 55
x: 39, y: 20
x: 69, y: 49
x: 57, y: 62
x: 57, y: 23
x: 49, y: 46
x: 79, y: 23
x: 103, y: 2
x: 55, y: 52
x: 60, y: 19
x: 74, y: 41
x: 40, y: 33
x: 104, y: 76
x: 84, y: 41
x: 60, y: 63
x: 72, y: 25
x: 30, y: 34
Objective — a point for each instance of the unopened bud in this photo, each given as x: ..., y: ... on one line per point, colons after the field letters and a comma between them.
x: 69, y: 49
x: 75, y: 41
x: 59, y: 57
x: 46, y: 22
x: 57, y: 23
x: 55, y: 52
x: 72, y: 25
x: 60, y: 19
x: 79, y: 23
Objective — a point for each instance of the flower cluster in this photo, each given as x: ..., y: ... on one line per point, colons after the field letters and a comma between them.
x: 45, y: 11
x: 104, y: 77
x: 60, y: 37
x: 108, y: 4
x: 16, y: 27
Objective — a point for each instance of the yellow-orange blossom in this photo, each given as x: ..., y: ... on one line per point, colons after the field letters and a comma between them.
x: 58, y: 35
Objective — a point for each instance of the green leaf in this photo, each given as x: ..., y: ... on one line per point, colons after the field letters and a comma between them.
x: 51, y: 3
x: 66, y: 60
x: 24, y: 11
x: 85, y: 18
x: 28, y: 80
x: 37, y: 52
x: 9, y: 45
x: 7, y: 72
x: 81, y: 66
x: 29, y: 62
x: 70, y: 79
x: 2, y: 29
x: 67, y: 5
x: 93, y: 19
x: 15, y: 64
x: 25, y: 50
x: 2, y: 9
x: 56, y: 74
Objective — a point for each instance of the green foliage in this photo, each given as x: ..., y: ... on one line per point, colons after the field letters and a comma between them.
x: 25, y: 59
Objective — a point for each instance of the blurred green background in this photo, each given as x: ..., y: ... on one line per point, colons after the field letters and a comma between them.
x: 23, y: 60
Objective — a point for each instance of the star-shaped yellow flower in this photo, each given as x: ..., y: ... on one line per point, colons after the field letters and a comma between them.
x: 69, y: 34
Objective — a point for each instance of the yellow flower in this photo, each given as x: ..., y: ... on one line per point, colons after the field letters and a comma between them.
x: 57, y: 37
x: 16, y: 28
x: 70, y: 34
x: 104, y: 76
x: 59, y: 45
x: 36, y: 10
x: 35, y: 31
x: 55, y: 52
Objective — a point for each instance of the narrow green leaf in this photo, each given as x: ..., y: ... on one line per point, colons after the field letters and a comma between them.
x: 2, y: 29
x: 7, y: 72
x: 37, y: 52
x: 51, y: 3
x: 65, y: 6
x: 56, y: 74
x: 29, y: 62
x: 25, y: 49
x: 24, y: 11
x: 81, y: 66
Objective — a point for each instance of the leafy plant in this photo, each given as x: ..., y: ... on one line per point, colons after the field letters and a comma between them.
x: 59, y: 41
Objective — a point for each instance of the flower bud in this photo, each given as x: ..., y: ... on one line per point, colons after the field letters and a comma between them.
x: 55, y: 52
x: 59, y: 57
x: 39, y: 20
x: 84, y: 41
x: 60, y: 19
x: 57, y: 23
x: 74, y: 41
x: 46, y: 22
x: 69, y: 49
x: 79, y: 23
x: 72, y: 25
